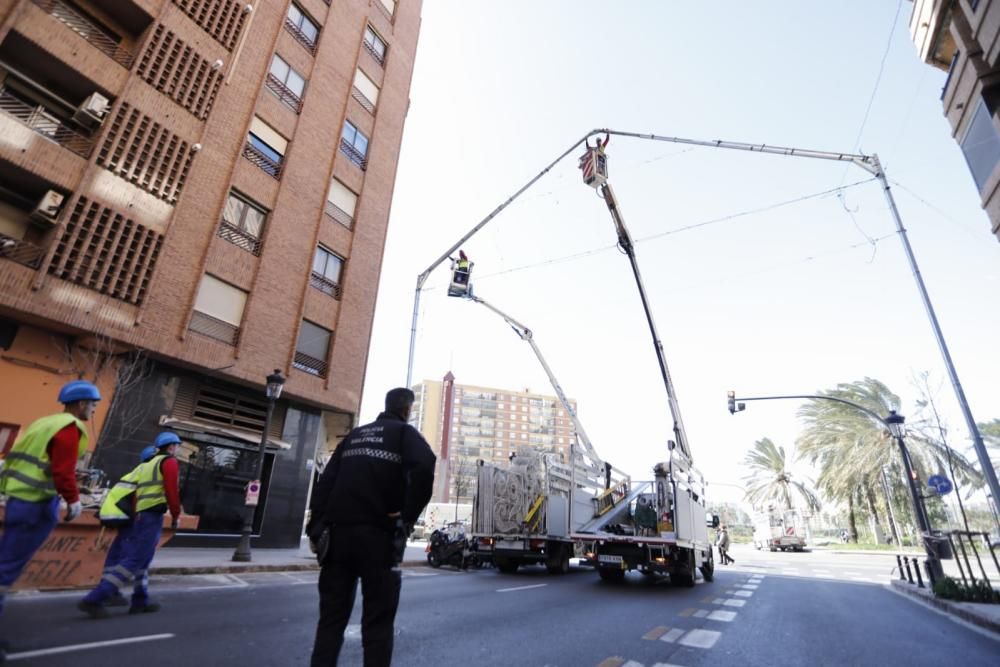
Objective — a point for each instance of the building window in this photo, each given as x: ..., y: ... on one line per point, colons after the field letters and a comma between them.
x: 389, y: 7
x: 375, y: 45
x: 354, y: 145
x: 326, y: 272
x: 302, y: 27
x: 242, y: 223
x: 265, y: 148
x: 312, y: 349
x: 365, y: 91
x: 341, y: 203
x: 286, y: 83
x: 218, y: 310
x: 981, y: 145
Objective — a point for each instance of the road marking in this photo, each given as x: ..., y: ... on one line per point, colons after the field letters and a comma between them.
x: 718, y: 601
x: 612, y: 662
x: 701, y: 613
x: 722, y: 615
x: 734, y: 603
x: 750, y: 587
x: 632, y: 663
x: 672, y: 636
x: 519, y: 588
x: 709, y: 599
x: 686, y: 612
x: 24, y: 655
x: 700, y: 638
x: 665, y: 664
x: 744, y: 594
x: 656, y: 632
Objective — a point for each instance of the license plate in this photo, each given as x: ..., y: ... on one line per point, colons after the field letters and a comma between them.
x: 604, y: 558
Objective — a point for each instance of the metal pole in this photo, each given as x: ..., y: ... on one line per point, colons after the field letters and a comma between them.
x: 933, y: 563
x: 970, y: 422
x: 243, y: 553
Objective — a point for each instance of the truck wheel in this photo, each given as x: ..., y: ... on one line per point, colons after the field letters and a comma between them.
x: 611, y: 574
x: 559, y: 563
x: 773, y: 548
x: 433, y: 560
x: 506, y: 566
x: 684, y: 576
x: 708, y: 569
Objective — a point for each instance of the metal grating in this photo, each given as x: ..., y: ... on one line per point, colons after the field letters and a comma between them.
x: 362, y: 100
x: 266, y: 164
x: 284, y: 93
x: 310, y: 365
x: 300, y: 36
x: 338, y: 214
x: 41, y: 121
x: 22, y: 252
x: 215, y: 328
x: 86, y: 28
x: 356, y: 156
x: 325, y: 285
x: 179, y: 72
x: 240, y: 238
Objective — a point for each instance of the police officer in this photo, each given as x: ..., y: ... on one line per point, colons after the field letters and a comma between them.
x: 40, y: 467
x: 376, y: 484
x: 156, y: 493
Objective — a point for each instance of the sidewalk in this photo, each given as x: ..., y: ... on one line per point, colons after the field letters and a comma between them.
x: 220, y: 560
x: 985, y: 616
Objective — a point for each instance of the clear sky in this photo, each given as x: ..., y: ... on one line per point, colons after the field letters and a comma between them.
x: 786, y: 299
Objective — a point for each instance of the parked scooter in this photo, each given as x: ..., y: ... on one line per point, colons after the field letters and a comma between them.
x: 449, y: 546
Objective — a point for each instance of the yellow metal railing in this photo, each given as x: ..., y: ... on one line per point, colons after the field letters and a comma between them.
x: 610, y: 498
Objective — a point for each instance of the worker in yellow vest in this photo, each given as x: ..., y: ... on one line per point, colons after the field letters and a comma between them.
x: 156, y: 492
x: 41, y: 467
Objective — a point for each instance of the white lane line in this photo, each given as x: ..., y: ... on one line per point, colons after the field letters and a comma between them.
x: 24, y: 655
x: 734, y: 603
x: 743, y: 594
x: 519, y: 588
x: 700, y: 638
x: 632, y: 663
x: 672, y: 636
x: 749, y: 587
x: 722, y: 615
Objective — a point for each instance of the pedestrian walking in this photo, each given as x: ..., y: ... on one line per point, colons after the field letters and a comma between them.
x: 372, y: 491
x: 722, y: 541
x: 156, y: 493
x: 41, y: 467
x: 118, y: 512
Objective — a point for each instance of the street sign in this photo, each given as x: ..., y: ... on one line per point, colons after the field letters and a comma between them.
x: 940, y: 483
x: 253, y: 493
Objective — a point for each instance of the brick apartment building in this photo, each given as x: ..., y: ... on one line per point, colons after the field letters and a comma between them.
x: 466, y: 423
x: 192, y: 194
x: 962, y: 37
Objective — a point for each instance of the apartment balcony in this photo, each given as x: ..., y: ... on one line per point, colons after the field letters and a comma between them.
x: 86, y: 28
x: 325, y: 285
x: 310, y: 364
x: 262, y: 161
x: 213, y: 327
x: 40, y: 120
x: 22, y: 252
x: 284, y: 93
x: 354, y: 155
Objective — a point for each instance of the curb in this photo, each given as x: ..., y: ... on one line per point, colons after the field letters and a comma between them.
x: 238, y: 569
x: 947, y: 606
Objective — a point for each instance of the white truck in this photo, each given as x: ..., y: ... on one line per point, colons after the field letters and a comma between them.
x: 775, y: 528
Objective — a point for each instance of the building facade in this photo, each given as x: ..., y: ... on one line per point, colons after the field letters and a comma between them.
x: 962, y: 37
x: 192, y: 194
x: 466, y: 423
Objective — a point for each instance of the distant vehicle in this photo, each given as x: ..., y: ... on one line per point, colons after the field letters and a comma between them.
x: 775, y: 529
x: 419, y: 530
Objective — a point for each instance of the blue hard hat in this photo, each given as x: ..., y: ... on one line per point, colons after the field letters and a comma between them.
x: 79, y: 390
x: 147, y: 453
x: 166, y: 439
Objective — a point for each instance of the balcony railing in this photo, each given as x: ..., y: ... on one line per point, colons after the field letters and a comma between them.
x: 379, y: 58
x: 302, y: 38
x: 21, y: 252
x: 215, y: 328
x: 362, y: 100
x: 356, y: 156
x: 284, y: 93
x: 85, y: 27
x: 338, y: 214
x: 240, y: 238
x: 325, y: 285
x: 266, y: 164
x: 310, y: 364
x: 45, y: 124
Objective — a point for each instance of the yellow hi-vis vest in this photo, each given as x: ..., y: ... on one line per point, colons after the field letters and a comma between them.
x: 27, y: 471
x: 149, y: 484
x: 117, y: 506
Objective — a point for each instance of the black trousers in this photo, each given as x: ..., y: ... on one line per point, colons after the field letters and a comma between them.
x: 365, y: 553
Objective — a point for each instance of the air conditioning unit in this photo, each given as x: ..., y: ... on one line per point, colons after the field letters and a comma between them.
x: 47, y: 209
x: 92, y: 111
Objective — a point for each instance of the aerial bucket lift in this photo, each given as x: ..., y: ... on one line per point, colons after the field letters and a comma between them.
x: 461, y: 270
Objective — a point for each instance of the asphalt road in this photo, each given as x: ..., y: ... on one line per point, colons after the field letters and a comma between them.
x: 749, y: 615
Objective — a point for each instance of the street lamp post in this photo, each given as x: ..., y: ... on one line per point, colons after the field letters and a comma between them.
x: 895, y: 424
x: 275, y: 383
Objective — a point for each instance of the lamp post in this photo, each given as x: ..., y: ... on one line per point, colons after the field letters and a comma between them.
x: 275, y: 383
x: 895, y: 424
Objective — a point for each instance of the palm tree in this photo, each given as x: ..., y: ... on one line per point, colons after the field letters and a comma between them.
x: 853, y: 449
x: 770, y: 479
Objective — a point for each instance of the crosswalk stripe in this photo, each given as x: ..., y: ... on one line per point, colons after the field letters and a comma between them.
x: 701, y: 613
x: 734, y: 603
x: 744, y: 594
x: 672, y: 636
x: 722, y: 615
x: 686, y: 612
x: 700, y: 638
x: 656, y: 632
x: 613, y: 661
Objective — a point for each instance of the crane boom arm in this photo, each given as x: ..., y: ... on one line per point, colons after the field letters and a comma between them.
x: 625, y: 242
x: 526, y: 335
